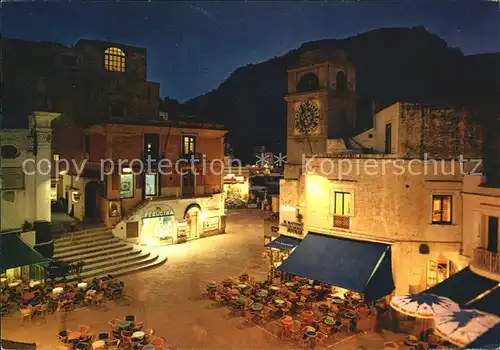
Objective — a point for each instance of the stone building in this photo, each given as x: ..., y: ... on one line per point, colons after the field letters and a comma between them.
x: 89, y: 82
x: 398, y: 184
x: 115, y: 184
x: 481, y: 229
x: 25, y: 191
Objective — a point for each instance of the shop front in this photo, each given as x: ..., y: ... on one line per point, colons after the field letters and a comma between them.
x: 158, y: 226
x: 173, y: 221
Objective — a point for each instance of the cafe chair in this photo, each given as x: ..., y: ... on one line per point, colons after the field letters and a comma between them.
x: 82, y: 346
x: 26, y: 313
x: 113, y: 323
x: 138, y: 326
x: 83, y: 330
x: 126, y: 338
x: 113, y: 344
x: 158, y: 343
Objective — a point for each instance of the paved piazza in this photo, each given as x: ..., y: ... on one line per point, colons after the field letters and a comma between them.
x: 167, y: 298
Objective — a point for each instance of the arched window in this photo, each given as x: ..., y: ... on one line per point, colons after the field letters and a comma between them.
x: 114, y: 60
x: 341, y: 81
x: 308, y: 82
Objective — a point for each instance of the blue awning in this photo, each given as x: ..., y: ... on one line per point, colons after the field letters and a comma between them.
x: 463, y: 286
x: 283, y: 243
x: 361, y: 266
x: 488, y: 340
x: 490, y: 303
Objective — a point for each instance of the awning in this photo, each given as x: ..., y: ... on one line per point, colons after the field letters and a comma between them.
x: 16, y: 252
x: 490, y: 303
x: 463, y: 286
x: 488, y: 340
x: 284, y: 243
x: 360, y: 266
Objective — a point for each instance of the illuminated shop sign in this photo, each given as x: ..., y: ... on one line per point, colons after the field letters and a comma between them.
x: 158, y: 212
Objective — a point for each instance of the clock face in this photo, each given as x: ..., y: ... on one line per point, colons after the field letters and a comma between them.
x: 307, y: 117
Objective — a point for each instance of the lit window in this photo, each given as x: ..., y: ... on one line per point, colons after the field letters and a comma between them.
x: 441, y: 209
x: 151, y: 184
x: 342, y: 203
x: 55, y: 156
x: 188, y: 145
x: 114, y: 60
x: 126, y: 186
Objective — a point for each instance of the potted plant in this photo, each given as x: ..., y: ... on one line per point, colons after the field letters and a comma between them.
x: 27, y: 226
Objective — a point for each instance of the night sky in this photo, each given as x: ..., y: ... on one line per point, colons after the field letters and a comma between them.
x: 193, y: 46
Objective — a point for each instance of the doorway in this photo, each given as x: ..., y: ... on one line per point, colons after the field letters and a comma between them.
x: 493, y: 234
x: 91, y: 200
x: 188, y: 183
x: 192, y: 217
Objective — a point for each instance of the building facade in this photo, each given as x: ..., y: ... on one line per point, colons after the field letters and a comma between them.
x: 399, y: 183
x: 175, y: 195
x: 25, y: 173
x: 481, y: 231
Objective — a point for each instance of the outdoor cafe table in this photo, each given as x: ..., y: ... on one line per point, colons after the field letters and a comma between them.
x: 274, y: 288
x: 34, y: 284
x: 138, y: 334
x: 256, y: 307
x: 279, y: 302
x: 329, y: 321
x: 57, y: 290
x: 124, y: 324
x: 82, y: 285
x: 98, y: 344
x: 74, y: 335
x: 242, y: 285
x: 212, y: 285
x: 14, y: 284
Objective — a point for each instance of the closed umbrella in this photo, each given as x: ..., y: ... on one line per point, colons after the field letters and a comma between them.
x: 463, y: 326
x: 423, y: 305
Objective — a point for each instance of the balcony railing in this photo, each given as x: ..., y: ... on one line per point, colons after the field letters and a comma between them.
x: 341, y: 221
x: 486, y: 260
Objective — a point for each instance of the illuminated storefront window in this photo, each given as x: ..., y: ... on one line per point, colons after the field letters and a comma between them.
x: 342, y: 202
x: 158, y: 226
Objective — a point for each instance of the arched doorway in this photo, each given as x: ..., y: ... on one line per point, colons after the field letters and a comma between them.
x: 440, y: 269
x: 91, y: 200
x: 193, y: 217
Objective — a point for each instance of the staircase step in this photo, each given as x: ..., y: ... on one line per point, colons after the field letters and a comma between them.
x: 75, y: 241
x: 116, y: 261
x: 82, y: 234
x: 107, y: 257
x: 92, y: 251
x: 118, y: 270
x: 86, y: 245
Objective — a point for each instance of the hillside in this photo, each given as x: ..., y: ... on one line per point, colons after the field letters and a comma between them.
x: 392, y: 64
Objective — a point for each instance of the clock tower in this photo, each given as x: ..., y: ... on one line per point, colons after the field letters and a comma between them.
x: 321, y: 105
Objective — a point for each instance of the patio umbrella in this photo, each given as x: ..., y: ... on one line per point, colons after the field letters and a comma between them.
x: 423, y: 305
x: 464, y: 326
x: 488, y: 340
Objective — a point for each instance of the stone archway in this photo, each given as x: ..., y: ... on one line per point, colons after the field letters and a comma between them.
x: 192, y: 214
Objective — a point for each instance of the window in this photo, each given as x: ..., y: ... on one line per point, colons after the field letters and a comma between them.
x: 188, y: 145
x: 55, y: 156
x: 341, y: 81
x: 388, y: 138
x: 493, y: 234
x: 114, y: 60
x: 126, y: 186
x: 342, y: 203
x: 308, y: 82
x: 442, y: 209
x: 151, y: 184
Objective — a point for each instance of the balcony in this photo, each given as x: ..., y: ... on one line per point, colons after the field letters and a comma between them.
x: 341, y: 221
x: 195, y: 157
x: 485, y: 260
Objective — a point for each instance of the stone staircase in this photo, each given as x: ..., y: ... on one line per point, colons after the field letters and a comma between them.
x: 103, y: 253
